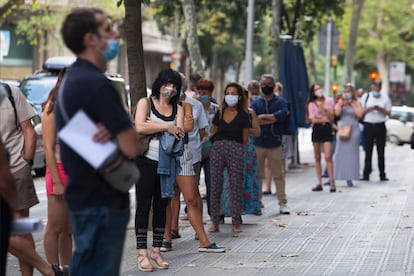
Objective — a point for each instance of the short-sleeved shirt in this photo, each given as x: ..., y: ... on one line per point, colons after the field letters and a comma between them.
x: 316, y: 113
x: 200, y: 122
x: 271, y: 134
x: 375, y: 116
x: 86, y: 88
x: 11, y: 135
x: 210, y: 113
x: 233, y: 130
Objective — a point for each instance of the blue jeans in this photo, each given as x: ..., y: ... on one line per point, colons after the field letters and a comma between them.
x: 99, y: 235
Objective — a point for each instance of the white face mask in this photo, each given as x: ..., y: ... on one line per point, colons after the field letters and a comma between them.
x: 231, y: 100
x: 319, y: 93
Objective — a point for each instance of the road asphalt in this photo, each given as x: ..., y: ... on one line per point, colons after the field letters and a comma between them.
x: 362, y: 230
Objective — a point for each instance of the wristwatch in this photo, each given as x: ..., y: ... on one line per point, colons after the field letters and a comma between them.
x: 29, y: 161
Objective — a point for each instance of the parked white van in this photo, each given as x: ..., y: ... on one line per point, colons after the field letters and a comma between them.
x: 400, y: 125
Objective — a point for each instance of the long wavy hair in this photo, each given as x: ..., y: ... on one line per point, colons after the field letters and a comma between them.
x: 311, y: 98
x: 241, y: 104
x: 51, y: 98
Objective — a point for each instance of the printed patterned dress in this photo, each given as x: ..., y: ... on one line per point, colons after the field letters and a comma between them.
x: 251, y: 203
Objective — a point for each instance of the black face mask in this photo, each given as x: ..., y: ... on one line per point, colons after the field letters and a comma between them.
x: 268, y: 90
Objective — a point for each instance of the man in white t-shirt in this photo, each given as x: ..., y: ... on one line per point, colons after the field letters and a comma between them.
x: 376, y: 106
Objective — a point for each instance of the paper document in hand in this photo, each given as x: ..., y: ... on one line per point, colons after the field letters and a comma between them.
x: 26, y: 225
x: 78, y: 135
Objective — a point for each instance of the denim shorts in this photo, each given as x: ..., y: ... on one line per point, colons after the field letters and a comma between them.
x: 99, y: 235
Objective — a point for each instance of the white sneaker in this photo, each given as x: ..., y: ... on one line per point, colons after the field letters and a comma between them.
x: 284, y: 210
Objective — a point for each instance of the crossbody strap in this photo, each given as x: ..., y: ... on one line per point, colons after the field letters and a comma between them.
x: 13, y: 103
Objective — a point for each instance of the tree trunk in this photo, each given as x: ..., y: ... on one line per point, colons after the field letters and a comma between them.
x: 382, y: 64
x: 135, y: 51
x: 296, y: 16
x: 276, y: 11
x: 192, y: 38
x: 352, y: 40
x: 312, y: 65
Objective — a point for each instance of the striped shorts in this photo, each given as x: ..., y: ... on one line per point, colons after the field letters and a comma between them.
x: 186, y: 163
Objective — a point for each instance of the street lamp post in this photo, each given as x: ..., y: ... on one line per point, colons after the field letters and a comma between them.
x: 248, y: 70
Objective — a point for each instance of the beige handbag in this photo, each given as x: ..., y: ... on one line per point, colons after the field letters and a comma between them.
x: 344, y: 132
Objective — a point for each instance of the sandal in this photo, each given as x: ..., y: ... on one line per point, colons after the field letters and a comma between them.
x: 317, y: 188
x: 237, y: 229
x: 56, y: 270
x: 175, y: 234
x: 158, y: 261
x: 141, y: 260
x: 213, y: 229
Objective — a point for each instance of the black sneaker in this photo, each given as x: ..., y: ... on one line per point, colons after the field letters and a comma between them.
x: 166, y: 246
x: 212, y: 248
x: 384, y: 178
x: 317, y: 188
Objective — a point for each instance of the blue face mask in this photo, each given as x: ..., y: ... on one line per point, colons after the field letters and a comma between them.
x: 204, y: 99
x: 376, y: 94
x: 112, y: 52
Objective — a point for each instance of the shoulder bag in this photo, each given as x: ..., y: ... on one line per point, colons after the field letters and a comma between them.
x: 121, y: 173
x: 344, y: 132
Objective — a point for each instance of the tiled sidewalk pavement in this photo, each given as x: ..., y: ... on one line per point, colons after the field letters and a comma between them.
x: 364, y: 230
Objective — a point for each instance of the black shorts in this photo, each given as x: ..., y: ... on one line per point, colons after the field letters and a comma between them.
x: 322, y: 133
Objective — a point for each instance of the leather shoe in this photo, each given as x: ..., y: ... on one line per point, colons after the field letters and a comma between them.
x: 384, y: 178
x: 317, y: 188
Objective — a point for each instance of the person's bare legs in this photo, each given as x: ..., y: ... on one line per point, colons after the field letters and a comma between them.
x: 318, y: 167
x: 327, y: 150
x: 192, y: 199
x: 23, y: 247
x: 58, y: 238
x: 175, y: 209
x: 167, y: 229
x: 268, y: 176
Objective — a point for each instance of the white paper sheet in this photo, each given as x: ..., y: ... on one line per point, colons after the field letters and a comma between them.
x: 26, y: 225
x: 78, y: 133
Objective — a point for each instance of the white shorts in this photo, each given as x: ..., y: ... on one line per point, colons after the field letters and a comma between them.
x: 186, y: 163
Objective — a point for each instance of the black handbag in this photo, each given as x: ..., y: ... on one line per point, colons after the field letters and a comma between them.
x: 412, y: 141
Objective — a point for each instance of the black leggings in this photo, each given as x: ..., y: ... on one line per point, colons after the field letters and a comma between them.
x: 5, y: 226
x: 148, y: 189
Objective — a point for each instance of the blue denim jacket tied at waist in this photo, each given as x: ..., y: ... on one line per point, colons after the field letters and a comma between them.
x: 170, y: 151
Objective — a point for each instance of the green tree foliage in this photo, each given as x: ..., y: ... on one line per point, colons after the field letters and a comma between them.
x: 386, y: 26
x: 303, y: 19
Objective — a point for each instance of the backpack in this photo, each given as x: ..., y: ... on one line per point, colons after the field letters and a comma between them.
x: 13, y: 103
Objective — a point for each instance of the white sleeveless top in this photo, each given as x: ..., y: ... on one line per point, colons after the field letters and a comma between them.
x: 155, y: 116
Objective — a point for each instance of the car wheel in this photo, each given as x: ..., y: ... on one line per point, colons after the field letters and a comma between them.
x: 394, y: 140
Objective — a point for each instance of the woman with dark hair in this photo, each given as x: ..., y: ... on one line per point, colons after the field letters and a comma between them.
x: 165, y: 115
x: 230, y: 131
x: 57, y: 240
x: 251, y: 202
x: 320, y: 112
